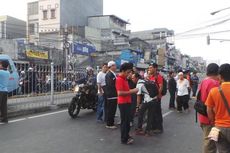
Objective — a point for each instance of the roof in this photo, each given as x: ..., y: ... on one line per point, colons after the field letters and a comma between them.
x: 156, y: 30
x: 138, y: 39
x: 6, y: 17
x: 114, y: 16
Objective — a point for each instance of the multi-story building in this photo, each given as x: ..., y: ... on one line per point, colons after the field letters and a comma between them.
x: 51, y: 16
x: 11, y: 28
x: 161, y: 40
x: 33, y: 21
x: 114, y: 35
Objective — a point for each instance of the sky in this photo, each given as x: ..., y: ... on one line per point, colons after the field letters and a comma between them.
x: 177, y: 15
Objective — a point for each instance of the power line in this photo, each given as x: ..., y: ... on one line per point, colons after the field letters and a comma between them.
x: 204, y: 27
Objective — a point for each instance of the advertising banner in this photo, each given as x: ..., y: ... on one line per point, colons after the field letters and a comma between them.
x: 37, y: 54
x: 83, y: 49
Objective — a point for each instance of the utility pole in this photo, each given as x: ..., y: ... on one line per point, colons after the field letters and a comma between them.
x: 66, y: 47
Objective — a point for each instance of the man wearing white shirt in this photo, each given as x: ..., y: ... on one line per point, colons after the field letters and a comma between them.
x: 182, y: 93
x: 101, y: 92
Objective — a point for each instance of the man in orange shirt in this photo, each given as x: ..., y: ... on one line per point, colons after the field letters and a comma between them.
x: 218, y: 113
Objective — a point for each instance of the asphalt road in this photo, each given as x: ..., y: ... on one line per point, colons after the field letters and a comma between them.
x: 58, y: 133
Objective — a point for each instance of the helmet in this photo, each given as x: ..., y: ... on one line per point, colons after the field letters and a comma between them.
x: 30, y: 69
x: 89, y: 68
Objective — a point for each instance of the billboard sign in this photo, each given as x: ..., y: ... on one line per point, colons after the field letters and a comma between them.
x: 83, y: 48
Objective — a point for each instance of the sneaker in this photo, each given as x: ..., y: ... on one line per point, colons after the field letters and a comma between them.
x: 111, y: 127
x: 179, y: 111
x: 129, y: 141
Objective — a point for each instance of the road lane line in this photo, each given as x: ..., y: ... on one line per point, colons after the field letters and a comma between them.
x: 37, y: 116
x: 47, y: 114
x: 166, y: 114
x: 17, y: 120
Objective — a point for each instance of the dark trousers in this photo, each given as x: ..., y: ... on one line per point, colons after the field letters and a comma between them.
x: 157, y: 123
x: 172, y: 99
x: 111, y: 111
x: 133, y: 106
x: 125, y: 110
x: 194, y: 89
x: 3, y: 103
x: 182, y: 102
x: 189, y: 93
x: 146, y: 107
x: 105, y: 112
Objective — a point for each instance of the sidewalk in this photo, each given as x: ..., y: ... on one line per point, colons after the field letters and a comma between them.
x: 29, y: 105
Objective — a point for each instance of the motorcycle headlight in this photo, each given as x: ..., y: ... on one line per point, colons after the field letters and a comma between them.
x: 76, y: 88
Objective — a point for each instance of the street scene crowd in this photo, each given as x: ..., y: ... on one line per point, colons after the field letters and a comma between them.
x: 140, y: 94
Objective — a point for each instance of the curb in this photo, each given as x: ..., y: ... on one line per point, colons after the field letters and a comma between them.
x: 37, y: 110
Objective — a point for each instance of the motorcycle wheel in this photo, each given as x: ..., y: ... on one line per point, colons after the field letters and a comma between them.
x: 74, y: 108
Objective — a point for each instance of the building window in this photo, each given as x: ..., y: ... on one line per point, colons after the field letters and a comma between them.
x: 53, y: 14
x: 31, y: 29
x: 2, y: 30
x: 33, y: 8
x: 45, y: 14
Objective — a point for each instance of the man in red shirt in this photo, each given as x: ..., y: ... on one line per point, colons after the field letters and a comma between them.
x: 157, y: 124
x: 124, y: 101
x: 207, y: 84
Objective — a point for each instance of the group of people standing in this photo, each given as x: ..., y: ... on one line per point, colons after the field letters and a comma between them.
x: 214, y: 92
x: 133, y: 94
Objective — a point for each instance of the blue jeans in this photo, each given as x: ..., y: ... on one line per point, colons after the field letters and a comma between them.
x: 100, y: 107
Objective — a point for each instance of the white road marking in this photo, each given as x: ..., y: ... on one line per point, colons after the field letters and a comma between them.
x: 37, y: 116
x: 166, y: 114
x: 17, y: 120
x: 47, y: 114
x: 53, y: 113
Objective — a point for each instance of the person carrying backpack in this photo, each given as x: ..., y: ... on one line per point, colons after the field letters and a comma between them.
x: 157, y: 123
x: 146, y: 97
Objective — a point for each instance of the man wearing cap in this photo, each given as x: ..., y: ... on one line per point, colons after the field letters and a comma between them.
x: 111, y: 95
x: 182, y: 93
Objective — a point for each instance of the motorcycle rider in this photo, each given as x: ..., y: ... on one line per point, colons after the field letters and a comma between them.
x: 91, y: 80
x: 90, y: 77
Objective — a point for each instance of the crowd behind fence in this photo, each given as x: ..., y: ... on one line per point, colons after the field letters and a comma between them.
x: 35, y: 89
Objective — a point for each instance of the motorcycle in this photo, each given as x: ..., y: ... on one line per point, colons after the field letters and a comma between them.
x: 86, y: 98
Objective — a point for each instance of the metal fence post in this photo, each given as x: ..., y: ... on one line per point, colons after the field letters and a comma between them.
x: 52, y: 84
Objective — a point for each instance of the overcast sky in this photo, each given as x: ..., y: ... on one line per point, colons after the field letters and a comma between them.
x: 178, y: 15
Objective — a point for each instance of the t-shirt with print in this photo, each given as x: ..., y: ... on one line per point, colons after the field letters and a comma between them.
x: 143, y: 91
x: 214, y: 100
x: 205, y: 87
x: 182, y: 87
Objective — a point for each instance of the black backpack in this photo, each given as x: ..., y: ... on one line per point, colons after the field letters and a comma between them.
x: 151, y: 87
x: 164, y: 90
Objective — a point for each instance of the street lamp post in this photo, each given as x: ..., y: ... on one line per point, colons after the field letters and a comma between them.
x: 218, y: 11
